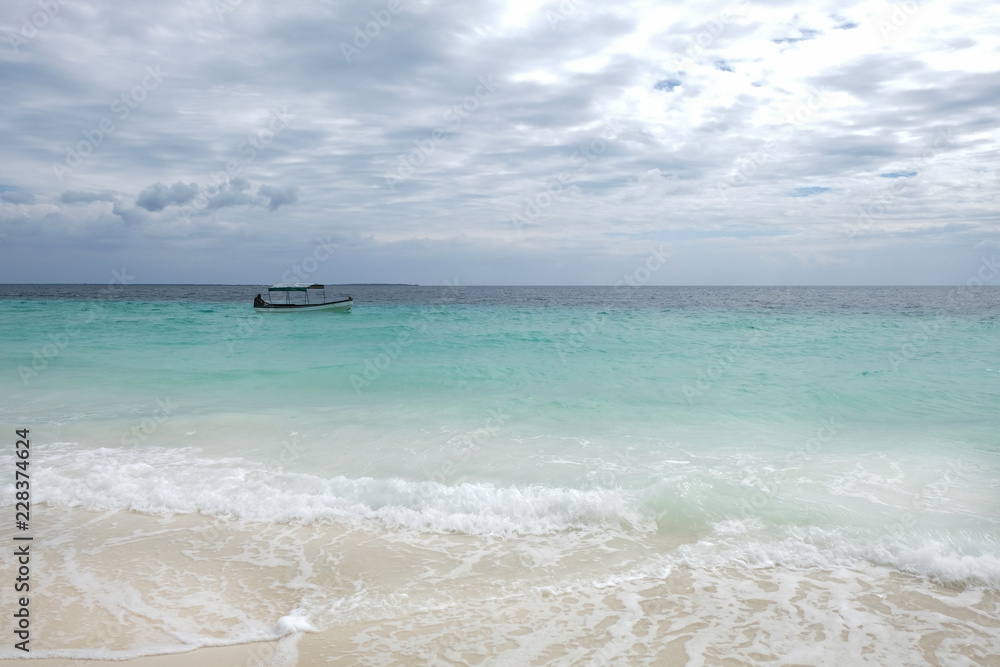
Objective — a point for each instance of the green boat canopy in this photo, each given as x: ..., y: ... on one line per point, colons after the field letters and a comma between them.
x: 294, y: 287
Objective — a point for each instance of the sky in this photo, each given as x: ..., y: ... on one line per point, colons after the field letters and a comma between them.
x: 499, y: 143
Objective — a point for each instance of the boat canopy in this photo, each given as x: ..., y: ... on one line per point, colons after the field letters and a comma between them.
x: 294, y: 287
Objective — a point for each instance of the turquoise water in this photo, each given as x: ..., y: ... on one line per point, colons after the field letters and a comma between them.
x: 798, y: 429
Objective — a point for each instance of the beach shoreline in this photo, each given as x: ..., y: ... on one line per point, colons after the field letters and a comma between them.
x: 237, y: 655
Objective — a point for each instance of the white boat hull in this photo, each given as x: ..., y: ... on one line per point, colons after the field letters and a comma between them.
x: 344, y: 305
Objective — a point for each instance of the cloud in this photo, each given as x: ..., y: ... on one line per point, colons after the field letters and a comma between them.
x: 17, y: 197
x: 278, y: 196
x: 158, y: 196
x: 80, y: 197
x: 131, y: 215
x: 233, y: 193
x: 203, y: 199
x: 899, y: 174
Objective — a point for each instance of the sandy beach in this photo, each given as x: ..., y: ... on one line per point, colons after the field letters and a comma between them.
x: 456, y: 599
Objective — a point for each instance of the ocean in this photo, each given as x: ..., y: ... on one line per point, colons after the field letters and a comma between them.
x: 509, y: 475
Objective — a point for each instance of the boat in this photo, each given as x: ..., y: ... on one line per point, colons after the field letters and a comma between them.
x: 318, y: 302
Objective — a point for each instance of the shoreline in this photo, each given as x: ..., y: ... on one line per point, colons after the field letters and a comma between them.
x: 249, y: 655
x: 679, y: 615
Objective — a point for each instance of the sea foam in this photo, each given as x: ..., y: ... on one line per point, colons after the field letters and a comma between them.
x: 162, y: 481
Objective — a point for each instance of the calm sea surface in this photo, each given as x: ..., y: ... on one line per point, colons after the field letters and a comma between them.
x: 570, y: 475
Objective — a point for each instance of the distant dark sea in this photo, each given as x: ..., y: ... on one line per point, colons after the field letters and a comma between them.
x: 833, y: 299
